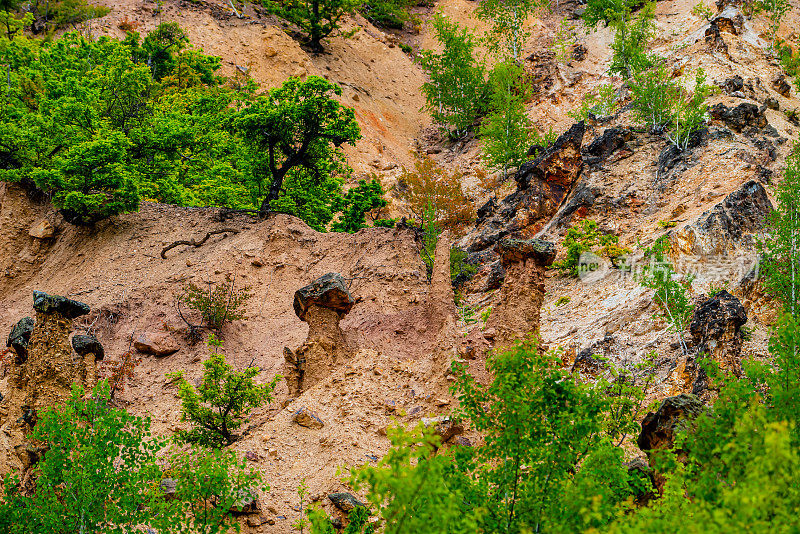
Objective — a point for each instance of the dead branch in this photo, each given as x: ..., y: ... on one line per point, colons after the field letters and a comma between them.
x: 194, y: 243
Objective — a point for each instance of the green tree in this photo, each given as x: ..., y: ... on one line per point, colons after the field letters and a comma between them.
x: 297, y: 126
x: 631, y: 37
x: 217, y: 407
x: 357, y: 202
x: 410, y: 488
x: 654, y: 94
x: 456, y: 91
x: 100, y: 470
x: 388, y: 13
x: 317, y: 18
x: 780, y: 247
x: 507, y: 34
x: 507, y: 130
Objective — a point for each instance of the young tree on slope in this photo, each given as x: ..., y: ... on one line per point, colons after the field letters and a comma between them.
x: 456, y: 91
x: 507, y: 130
x: 317, y: 18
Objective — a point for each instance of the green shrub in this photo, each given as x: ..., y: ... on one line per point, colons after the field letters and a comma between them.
x: 357, y: 202
x: 602, y: 104
x: 218, y: 303
x: 387, y: 13
x: 456, y: 93
x: 586, y: 237
x: 318, y: 19
x: 562, y: 300
x: 219, y: 406
x: 461, y: 271
x: 102, y: 470
x: 631, y: 37
x: 654, y: 94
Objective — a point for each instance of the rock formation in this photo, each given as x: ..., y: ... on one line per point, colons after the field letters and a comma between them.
x: 522, y: 293
x: 321, y: 304
x: 542, y: 185
x: 660, y: 428
x: 730, y: 224
x: 89, y: 347
x: 716, y: 333
x: 45, y: 368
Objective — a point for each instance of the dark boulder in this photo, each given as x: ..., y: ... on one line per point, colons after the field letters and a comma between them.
x: 19, y: 337
x: 68, y: 308
x: 735, y: 83
x: 730, y: 224
x: 327, y: 291
x: 780, y: 85
x: 611, y: 140
x: 84, y: 344
x: 716, y: 333
x: 496, y: 276
x: 740, y: 117
x: 675, y: 414
x: 557, y: 164
x: 345, y: 501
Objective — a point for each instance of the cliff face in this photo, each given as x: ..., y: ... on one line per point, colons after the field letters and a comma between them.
x: 394, y: 345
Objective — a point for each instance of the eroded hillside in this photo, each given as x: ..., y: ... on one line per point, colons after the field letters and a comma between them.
x: 404, y: 331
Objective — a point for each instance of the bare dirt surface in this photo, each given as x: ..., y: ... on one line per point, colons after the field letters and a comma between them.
x: 405, y: 335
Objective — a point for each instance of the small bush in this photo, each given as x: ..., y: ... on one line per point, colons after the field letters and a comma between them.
x: 667, y: 224
x: 218, y: 303
x: 219, y: 406
x: 602, y: 104
x: 127, y: 25
x: 562, y: 300
x: 461, y: 271
x: 586, y: 237
x: 119, y: 371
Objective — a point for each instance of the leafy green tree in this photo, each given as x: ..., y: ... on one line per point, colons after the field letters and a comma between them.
x: 456, y: 91
x: 631, y: 36
x: 209, y: 484
x: 507, y: 34
x: 100, y: 470
x: 217, y: 407
x: 654, y: 94
x: 538, y: 426
x: 670, y: 290
x: 780, y: 247
x: 410, y: 488
x: 507, y: 130
x: 689, y: 112
x: 317, y: 18
x: 357, y: 202
x: 587, y: 237
x: 298, y: 126
x: 91, y: 181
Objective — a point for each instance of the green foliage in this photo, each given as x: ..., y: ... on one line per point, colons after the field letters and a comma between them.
x: 100, y: 470
x: 776, y: 10
x: 430, y: 237
x: 538, y: 425
x: 218, y: 303
x: 631, y: 38
x: 586, y: 237
x: 626, y: 391
x: 209, y: 484
x: 701, y: 10
x: 455, y: 93
x: 716, y: 288
x: 671, y: 290
x: 506, y: 131
x: 667, y: 224
x: 410, y: 490
x: 357, y: 202
x: 218, y: 407
x: 689, y: 112
x: 654, y: 94
x: 318, y: 19
x: 563, y: 300
x: 602, y: 104
x: 608, y: 11
x: 460, y: 269
x: 780, y: 247
x: 388, y: 13
x: 71, y: 12
x: 99, y: 125
x: 507, y: 35
x: 295, y: 133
